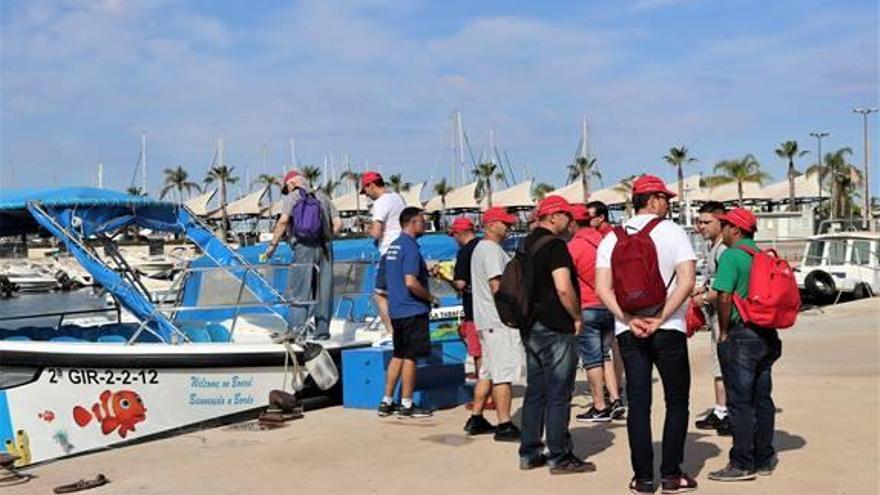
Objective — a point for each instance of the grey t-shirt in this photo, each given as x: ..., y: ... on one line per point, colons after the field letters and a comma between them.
x: 328, y: 212
x: 712, y: 256
x: 487, y: 262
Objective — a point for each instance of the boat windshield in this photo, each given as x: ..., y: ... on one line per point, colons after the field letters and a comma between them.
x: 861, y: 252
x: 837, y: 252
x: 815, y: 250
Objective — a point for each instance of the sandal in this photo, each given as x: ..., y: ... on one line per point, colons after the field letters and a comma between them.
x: 678, y: 484
x: 80, y: 485
x: 641, y: 486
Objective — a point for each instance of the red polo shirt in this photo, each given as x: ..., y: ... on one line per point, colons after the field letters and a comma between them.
x: 583, y: 247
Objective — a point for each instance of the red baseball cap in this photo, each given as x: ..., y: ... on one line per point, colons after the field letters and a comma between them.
x: 742, y: 218
x: 553, y: 204
x: 368, y: 178
x: 498, y: 214
x: 580, y: 213
x: 287, y: 178
x: 651, y: 184
x: 461, y: 224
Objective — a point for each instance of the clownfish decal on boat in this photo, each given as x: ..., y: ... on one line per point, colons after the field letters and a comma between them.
x: 117, y: 410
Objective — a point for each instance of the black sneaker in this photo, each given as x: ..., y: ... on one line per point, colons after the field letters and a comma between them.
x: 526, y: 464
x: 386, y: 409
x: 414, y: 412
x: 767, y: 468
x: 731, y: 473
x: 507, y: 432
x: 478, y: 425
x: 571, y: 465
x: 710, y: 422
x: 678, y: 484
x: 595, y: 416
x: 618, y: 410
x: 723, y: 428
x: 641, y: 486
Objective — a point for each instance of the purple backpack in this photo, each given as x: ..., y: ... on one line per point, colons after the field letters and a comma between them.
x: 308, y: 222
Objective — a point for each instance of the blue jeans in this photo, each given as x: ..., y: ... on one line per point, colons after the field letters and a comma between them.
x: 667, y: 350
x: 301, y: 287
x: 551, y: 359
x: 747, y: 358
x: 594, y: 344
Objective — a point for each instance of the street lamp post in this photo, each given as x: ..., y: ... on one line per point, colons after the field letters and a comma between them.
x: 867, y: 211
x: 819, y: 136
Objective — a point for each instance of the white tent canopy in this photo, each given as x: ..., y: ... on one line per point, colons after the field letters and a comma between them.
x: 804, y: 188
x: 574, y: 193
x: 248, y: 205
x: 349, y: 203
x: 199, y: 204
x: 609, y: 196
x: 726, y: 193
x: 518, y: 196
x: 462, y: 198
x: 413, y: 197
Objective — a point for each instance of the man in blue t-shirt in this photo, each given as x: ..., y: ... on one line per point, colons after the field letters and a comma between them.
x: 409, y: 306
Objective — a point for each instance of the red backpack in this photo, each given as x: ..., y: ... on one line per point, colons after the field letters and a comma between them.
x: 636, y: 276
x: 773, y: 300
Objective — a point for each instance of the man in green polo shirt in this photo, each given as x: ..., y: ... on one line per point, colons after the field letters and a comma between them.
x: 747, y: 355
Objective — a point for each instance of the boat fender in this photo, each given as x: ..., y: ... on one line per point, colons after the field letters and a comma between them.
x: 320, y: 365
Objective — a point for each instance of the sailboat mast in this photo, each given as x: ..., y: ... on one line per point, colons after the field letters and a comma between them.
x: 144, y: 162
x: 100, y: 175
x: 460, y: 144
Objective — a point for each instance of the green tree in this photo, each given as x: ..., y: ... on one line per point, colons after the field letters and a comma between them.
x: 788, y: 151
x: 625, y: 188
x: 583, y: 168
x: 678, y: 158
x: 178, y: 178
x: 397, y: 184
x: 441, y: 189
x: 269, y: 181
x: 355, y: 178
x: 224, y: 175
x: 844, y: 177
x: 329, y: 187
x: 135, y: 191
x: 541, y: 190
x: 485, y: 173
x: 311, y: 174
x: 746, y: 169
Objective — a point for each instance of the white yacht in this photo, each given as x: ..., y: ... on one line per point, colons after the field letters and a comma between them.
x: 840, y: 265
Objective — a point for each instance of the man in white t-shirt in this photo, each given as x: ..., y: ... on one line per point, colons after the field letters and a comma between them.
x: 503, y: 353
x: 384, y: 229
x: 654, y: 338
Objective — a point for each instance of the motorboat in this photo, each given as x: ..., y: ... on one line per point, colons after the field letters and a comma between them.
x: 840, y: 266
x: 210, y: 354
x: 29, y: 277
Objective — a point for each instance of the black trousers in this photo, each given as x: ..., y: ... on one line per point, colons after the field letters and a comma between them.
x: 747, y: 358
x: 667, y: 350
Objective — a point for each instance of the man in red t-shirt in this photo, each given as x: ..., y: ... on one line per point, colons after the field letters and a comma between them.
x: 594, y: 344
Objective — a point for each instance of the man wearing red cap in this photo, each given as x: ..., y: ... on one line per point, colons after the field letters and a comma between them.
x: 503, y: 361
x: 550, y: 343
x: 594, y: 344
x: 385, y: 228
x: 311, y: 249
x: 747, y: 356
x: 653, y: 336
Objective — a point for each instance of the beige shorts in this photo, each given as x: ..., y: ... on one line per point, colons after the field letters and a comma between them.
x: 504, y: 358
x: 712, y: 321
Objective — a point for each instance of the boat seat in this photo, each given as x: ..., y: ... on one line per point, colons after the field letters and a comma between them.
x: 218, y: 332
x: 65, y: 338
x: 112, y: 339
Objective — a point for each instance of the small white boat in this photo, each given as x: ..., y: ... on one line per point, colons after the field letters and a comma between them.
x: 30, y: 277
x: 840, y: 265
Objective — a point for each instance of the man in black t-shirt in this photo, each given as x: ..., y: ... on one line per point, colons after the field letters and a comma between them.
x: 551, y: 346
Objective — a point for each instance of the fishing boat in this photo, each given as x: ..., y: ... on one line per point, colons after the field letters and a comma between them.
x: 840, y: 265
x: 212, y: 353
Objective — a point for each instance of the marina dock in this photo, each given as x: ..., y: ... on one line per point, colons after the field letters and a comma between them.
x: 826, y: 389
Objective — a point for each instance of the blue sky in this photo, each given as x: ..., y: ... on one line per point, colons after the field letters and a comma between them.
x: 378, y: 80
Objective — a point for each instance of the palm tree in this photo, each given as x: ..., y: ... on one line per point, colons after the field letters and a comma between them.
x: 311, y: 174
x: 625, y: 187
x: 224, y: 175
x: 270, y: 181
x: 355, y: 178
x: 178, y: 178
x: 844, y: 177
x: 678, y: 158
x: 135, y: 191
x: 443, y: 188
x: 540, y: 190
x: 746, y: 169
x: 397, y: 184
x: 329, y: 187
x: 485, y: 173
x: 787, y: 151
x: 583, y: 168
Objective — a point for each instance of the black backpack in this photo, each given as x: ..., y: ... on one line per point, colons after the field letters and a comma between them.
x: 513, y: 299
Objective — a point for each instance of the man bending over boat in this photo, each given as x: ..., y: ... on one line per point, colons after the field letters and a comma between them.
x: 406, y: 283
x: 309, y: 221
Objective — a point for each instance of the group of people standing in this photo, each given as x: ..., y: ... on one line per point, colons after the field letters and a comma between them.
x: 584, y: 293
